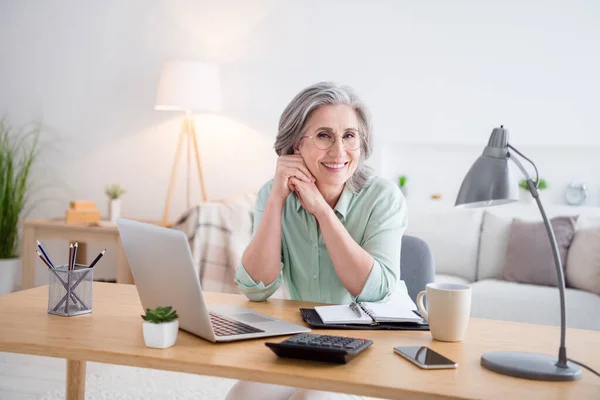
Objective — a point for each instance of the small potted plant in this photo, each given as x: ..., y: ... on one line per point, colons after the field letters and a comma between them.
x: 160, y: 327
x: 526, y: 196
x: 402, y: 183
x: 114, y: 193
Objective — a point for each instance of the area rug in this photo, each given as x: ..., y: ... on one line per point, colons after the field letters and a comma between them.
x: 117, y: 382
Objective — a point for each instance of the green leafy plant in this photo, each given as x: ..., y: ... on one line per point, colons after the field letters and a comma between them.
x: 160, y: 315
x: 541, y: 186
x: 402, y: 180
x: 19, y: 152
x: 114, y: 191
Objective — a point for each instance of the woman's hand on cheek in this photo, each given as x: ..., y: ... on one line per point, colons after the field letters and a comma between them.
x: 309, y: 195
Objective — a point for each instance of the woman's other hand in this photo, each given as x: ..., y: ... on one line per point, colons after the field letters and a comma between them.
x: 289, y: 166
x: 311, y: 199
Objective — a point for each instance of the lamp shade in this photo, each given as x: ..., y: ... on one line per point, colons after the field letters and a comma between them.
x: 490, y: 182
x: 189, y: 86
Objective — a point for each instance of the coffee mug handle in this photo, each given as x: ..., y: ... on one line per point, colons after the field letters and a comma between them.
x: 421, y: 305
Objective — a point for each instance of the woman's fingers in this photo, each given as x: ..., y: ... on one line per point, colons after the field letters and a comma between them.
x: 296, y: 162
x: 298, y: 173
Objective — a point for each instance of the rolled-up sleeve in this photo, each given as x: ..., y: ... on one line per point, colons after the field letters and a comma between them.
x: 382, y: 240
x: 257, y: 291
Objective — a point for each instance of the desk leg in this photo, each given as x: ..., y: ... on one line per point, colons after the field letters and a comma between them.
x: 75, y: 379
x: 123, y: 271
x: 28, y: 258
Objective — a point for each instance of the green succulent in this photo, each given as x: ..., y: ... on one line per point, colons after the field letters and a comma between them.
x: 160, y: 315
x: 114, y: 191
x: 541, y: 186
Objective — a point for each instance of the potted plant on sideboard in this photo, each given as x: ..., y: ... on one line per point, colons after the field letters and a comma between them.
x: 19, y: 152
x: 160, y: 327
x: 114, y: 193
x: 525, y: 196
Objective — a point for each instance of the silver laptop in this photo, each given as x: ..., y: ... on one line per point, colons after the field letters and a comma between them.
x: 164, y: 274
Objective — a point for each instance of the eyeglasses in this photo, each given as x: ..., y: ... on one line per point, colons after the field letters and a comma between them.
x: 324, y: 140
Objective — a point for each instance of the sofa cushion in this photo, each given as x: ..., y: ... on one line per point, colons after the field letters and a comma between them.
x: 442, y: 278
x: 529, y: 257
x: 453, y: 237
x: 501, y: 300
x: 496, y: 224
x: 492, y: 246
x: 583, y: 261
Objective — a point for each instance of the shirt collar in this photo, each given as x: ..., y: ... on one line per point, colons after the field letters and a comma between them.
x: 342, y: 205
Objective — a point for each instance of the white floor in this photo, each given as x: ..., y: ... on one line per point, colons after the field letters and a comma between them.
x: 24, y: 377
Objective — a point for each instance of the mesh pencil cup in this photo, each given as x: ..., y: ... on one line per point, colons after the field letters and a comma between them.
x: 70, y: 292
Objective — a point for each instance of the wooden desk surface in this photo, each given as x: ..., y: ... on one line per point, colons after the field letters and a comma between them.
x: 113, y: 334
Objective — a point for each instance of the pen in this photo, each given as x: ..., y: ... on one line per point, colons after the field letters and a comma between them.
x: 356, y: 309
x: 45, y: 254
x: 98, y: 257
x: 74, y: 254
x: 70, y: 256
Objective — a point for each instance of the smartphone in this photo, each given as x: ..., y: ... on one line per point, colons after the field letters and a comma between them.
x: 424, y: 357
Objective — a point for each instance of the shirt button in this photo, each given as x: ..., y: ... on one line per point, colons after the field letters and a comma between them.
x: 315, y: 276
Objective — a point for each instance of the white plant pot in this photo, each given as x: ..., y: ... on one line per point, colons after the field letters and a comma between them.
x: 114, y: 210
x: 525, y: 197
x: 10, y: 275
x: 160, y: 336
x: 404, y: 191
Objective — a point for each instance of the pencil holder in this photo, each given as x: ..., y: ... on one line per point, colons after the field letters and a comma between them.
x: 70, y: 292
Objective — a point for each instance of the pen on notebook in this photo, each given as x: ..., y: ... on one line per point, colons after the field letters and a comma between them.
x: 98, y: 257
x: 356, y: 309
x: 74, y: 255
x: 70, y: 256
x: 39, y: 245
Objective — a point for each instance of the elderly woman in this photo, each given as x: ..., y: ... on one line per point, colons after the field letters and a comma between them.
x: 323, y: 226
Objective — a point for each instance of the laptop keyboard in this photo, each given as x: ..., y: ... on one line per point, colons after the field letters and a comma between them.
x: 227, y: 327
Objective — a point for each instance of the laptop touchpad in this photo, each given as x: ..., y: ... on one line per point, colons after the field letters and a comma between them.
x: 250, y: 318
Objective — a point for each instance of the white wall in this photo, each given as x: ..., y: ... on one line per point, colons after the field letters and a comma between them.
x: 432, y: 72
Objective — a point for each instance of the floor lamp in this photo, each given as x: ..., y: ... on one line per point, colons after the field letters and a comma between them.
x: 187, y: 86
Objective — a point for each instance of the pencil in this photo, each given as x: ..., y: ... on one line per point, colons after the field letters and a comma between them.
x: 74, y: 254
x: 44, y: 260
x: 44, y: 253
x: 70, y: 256
x: 98, y: 257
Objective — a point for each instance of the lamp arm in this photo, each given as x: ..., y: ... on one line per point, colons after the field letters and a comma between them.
x: 562, y: 353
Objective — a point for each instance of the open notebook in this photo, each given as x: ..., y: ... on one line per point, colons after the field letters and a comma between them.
x: 370, y: 313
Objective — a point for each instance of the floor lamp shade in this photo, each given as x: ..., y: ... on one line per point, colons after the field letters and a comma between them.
x: 189, y: 86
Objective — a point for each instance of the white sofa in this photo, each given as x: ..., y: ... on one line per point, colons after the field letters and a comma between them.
x: 469, y: 246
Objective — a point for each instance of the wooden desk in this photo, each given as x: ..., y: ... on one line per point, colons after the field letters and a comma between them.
x: 113, y: 334
x: 83, y: 233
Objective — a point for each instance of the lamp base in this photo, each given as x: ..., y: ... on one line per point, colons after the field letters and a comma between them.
x: 539, y: 367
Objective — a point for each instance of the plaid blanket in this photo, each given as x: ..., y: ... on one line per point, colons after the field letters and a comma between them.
x: 218, y: 233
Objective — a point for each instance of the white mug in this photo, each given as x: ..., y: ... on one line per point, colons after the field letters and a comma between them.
x: 448, y: 310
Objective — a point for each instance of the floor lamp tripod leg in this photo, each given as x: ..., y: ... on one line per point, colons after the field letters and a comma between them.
x: 174, y: 171
x: 198, y: 165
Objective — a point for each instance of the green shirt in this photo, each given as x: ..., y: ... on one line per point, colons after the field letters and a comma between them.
x: 375, y: 218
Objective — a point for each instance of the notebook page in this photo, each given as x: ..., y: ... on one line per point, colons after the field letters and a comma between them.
x: 392, y: 312
x: 341, y: 314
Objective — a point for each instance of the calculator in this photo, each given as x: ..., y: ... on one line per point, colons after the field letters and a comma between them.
x: 309, y: 346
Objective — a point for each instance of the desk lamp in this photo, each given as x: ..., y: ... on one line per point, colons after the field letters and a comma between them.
x: 489, y: 183
x: 187, y: 86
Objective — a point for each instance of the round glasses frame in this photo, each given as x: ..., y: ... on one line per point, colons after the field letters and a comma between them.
x: 358, y: 135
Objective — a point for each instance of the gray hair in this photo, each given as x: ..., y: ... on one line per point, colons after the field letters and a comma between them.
x: 296, y: 115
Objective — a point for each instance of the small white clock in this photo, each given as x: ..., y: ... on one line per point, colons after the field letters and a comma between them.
x: 576, y: 193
